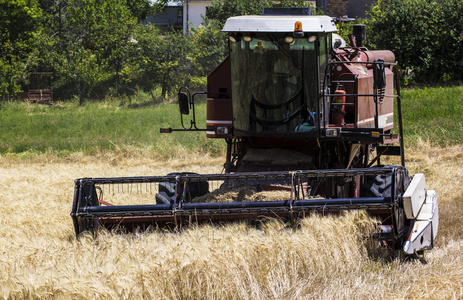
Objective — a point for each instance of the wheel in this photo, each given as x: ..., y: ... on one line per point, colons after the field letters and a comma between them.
x: 381, y: 185
x: 377, y: 186
x: 166, y: 194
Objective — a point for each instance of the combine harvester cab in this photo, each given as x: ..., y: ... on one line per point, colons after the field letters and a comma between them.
x: 306, y: 120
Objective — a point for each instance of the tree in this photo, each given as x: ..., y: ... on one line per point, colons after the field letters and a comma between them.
x: 208, y: 49
x: 450, y: 40
x: 93, y: 34
x: 426, y: 36
x: 81, y: 67
x: 19, y: 26
x: 141, y: 9
x: 158, y: 59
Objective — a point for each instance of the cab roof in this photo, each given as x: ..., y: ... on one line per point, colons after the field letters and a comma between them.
x: 279, y: 24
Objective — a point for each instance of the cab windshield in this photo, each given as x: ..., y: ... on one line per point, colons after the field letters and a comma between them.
x: 274, y: 85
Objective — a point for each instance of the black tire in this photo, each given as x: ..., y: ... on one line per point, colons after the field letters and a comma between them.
x: 163, y: 198
x: 166, y: 194
x: 381, y: 185
x: 377, y: 186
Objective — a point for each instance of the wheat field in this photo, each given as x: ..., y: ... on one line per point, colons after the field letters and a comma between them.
x: 326, y: 258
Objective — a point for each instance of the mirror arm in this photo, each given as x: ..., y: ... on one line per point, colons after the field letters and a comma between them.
x: 192, y: 106
x: 191, y: 101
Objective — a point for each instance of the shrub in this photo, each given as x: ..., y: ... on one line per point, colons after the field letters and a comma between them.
x: 426, y: 36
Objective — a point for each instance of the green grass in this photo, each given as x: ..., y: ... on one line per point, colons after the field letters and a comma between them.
x: 430, y: 114
x: 66, y: 128
x: 433, y: 114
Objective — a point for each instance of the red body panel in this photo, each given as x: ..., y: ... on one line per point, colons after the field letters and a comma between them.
x: 357, y: 78
x: 219, y: 109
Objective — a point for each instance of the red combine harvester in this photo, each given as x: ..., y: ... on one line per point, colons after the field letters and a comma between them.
x: 306, y: 120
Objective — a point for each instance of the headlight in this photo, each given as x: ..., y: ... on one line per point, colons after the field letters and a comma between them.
x: 332, y: 132
x: 222, y: 130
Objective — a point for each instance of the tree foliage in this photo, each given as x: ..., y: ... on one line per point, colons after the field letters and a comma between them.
x: 209, y: 47
x: 97, y: 48
x: 86, y: 43
x: 426, y: 36
x: 142, y: 9
x: 157, y: 59
x: 19, y: 27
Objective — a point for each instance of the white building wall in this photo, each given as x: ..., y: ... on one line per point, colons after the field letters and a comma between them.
x: 192, y: 13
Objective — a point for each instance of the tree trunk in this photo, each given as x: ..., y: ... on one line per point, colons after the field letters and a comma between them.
x: 164, y: 86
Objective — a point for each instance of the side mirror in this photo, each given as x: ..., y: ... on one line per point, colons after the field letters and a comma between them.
x: 183, y: 103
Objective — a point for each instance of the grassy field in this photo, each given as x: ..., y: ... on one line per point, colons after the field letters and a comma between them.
x: 29, y: 129
x: 327, y: 258
x: 430, y: 114
x: 433, y: 115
